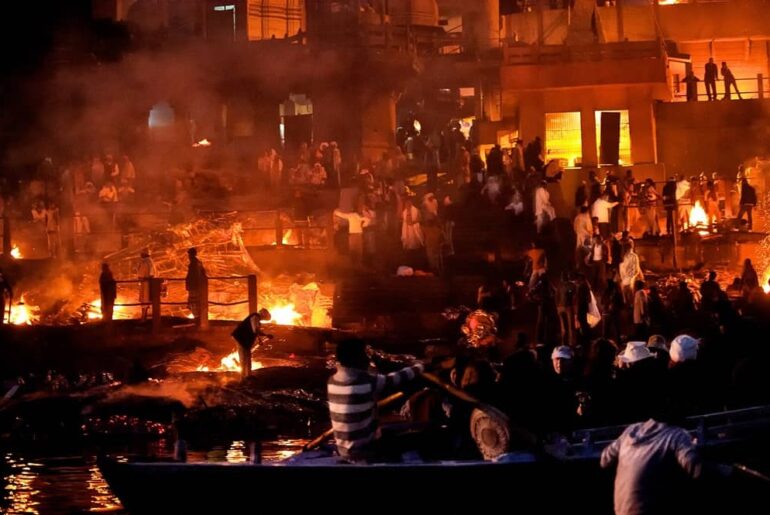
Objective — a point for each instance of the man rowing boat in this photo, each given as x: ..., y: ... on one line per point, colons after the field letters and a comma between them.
x: 353, y: 393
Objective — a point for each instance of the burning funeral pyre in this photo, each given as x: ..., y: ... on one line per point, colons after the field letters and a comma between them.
x: 219, y: 242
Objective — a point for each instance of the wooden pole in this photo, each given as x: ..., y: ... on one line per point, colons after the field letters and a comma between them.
x: 278, y: 229
x: 204, y: 303
x: 252, y: 289
x: 155, y: 301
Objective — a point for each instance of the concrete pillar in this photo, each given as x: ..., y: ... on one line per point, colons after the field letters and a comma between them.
x: 588, y: 137
x: 481, y: 24
x: 378, y: 123
x: 619, y: 18
x: 492, y: 101
x: 642, y: 126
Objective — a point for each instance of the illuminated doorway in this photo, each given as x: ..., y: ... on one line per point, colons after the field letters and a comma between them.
x: 563, y: 138
x: 623, y: 138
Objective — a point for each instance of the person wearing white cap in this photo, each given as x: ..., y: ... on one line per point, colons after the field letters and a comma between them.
x: 640, y: 382
x: 683, y: 348
x: 561, y: 358
x: 634, y: 353
x: 687, y: 387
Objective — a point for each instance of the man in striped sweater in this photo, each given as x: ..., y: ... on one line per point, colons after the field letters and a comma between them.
x: 353, y: 392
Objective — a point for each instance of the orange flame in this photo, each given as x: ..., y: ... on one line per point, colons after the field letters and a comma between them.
x: 202, y: 143
x: 118, y: 312
x: 22, y: 314
x: 765, y: 279
x: 284, y: 314
x: 698, y: 216
x: 230, y: 363
x: 15, y: 252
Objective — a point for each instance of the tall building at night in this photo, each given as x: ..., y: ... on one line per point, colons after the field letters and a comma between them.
x: 600, y: 84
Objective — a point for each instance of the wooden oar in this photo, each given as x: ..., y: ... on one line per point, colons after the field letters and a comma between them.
x: 390, y: 399
x: 751, y: 472
x: 453, y: 390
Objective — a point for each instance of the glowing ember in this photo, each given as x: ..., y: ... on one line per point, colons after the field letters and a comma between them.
x: 284, y: 314
x: 95, y: 310
x: 202, y: 143
x: 22, y: 314
x: 230, y: 363
x: 698, y: 216
x: 15, y: 252
x: 118, y: 312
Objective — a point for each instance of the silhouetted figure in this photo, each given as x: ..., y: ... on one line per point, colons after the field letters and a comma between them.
x: 245, y: 333
x: 691, y: 82
x: 729, y: 80
x: 108, y: 289
x: 196, y: 277
x: 6, y: 296
x: 669, y: 202
x: 748, y: 201
x: 710, y: 76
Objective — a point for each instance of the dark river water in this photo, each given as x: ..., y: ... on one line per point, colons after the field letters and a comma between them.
x: 59, y: 481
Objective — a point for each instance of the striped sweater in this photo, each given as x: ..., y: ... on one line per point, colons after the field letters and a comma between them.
x: 353, y: 395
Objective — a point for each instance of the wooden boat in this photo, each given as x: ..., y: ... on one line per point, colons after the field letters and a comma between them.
x: 312, y: 481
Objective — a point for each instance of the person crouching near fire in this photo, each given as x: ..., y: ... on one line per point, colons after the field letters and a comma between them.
x: 245, y: 334
x: 353, y: 393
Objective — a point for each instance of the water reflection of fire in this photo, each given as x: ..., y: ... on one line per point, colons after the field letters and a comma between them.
x: 230, y: 363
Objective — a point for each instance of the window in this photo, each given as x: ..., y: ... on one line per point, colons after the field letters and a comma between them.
x: 624, y: 145
x: 277, y: 19
x: 563, y: 138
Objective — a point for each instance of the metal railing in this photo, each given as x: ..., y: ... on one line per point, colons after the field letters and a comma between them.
x: 552, y: 54
x: 200, y: 304
x: 749, y: 87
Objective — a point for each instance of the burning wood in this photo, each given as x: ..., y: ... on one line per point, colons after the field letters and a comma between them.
x: 230, y: 363
x: 221, y: 248
x: 22, y: 314
x: 699, y: 219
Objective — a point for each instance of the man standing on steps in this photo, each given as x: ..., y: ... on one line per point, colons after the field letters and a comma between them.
x: 710, y: 76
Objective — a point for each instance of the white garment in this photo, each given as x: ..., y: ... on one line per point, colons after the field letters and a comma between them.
x: 411, y: 231
x: 682, y: 190
x: 594, y: 316
x: 145, y: 270
x: 598, y: 252
x: 544, y: 211
x: 584, y: 228
x: 630, y: 269
x: 355, y: 221
x: 601, y: 210
x: 82, y: 225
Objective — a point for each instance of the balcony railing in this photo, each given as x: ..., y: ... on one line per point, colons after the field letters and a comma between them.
x: 516, y: 54
x: 749, y: 87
